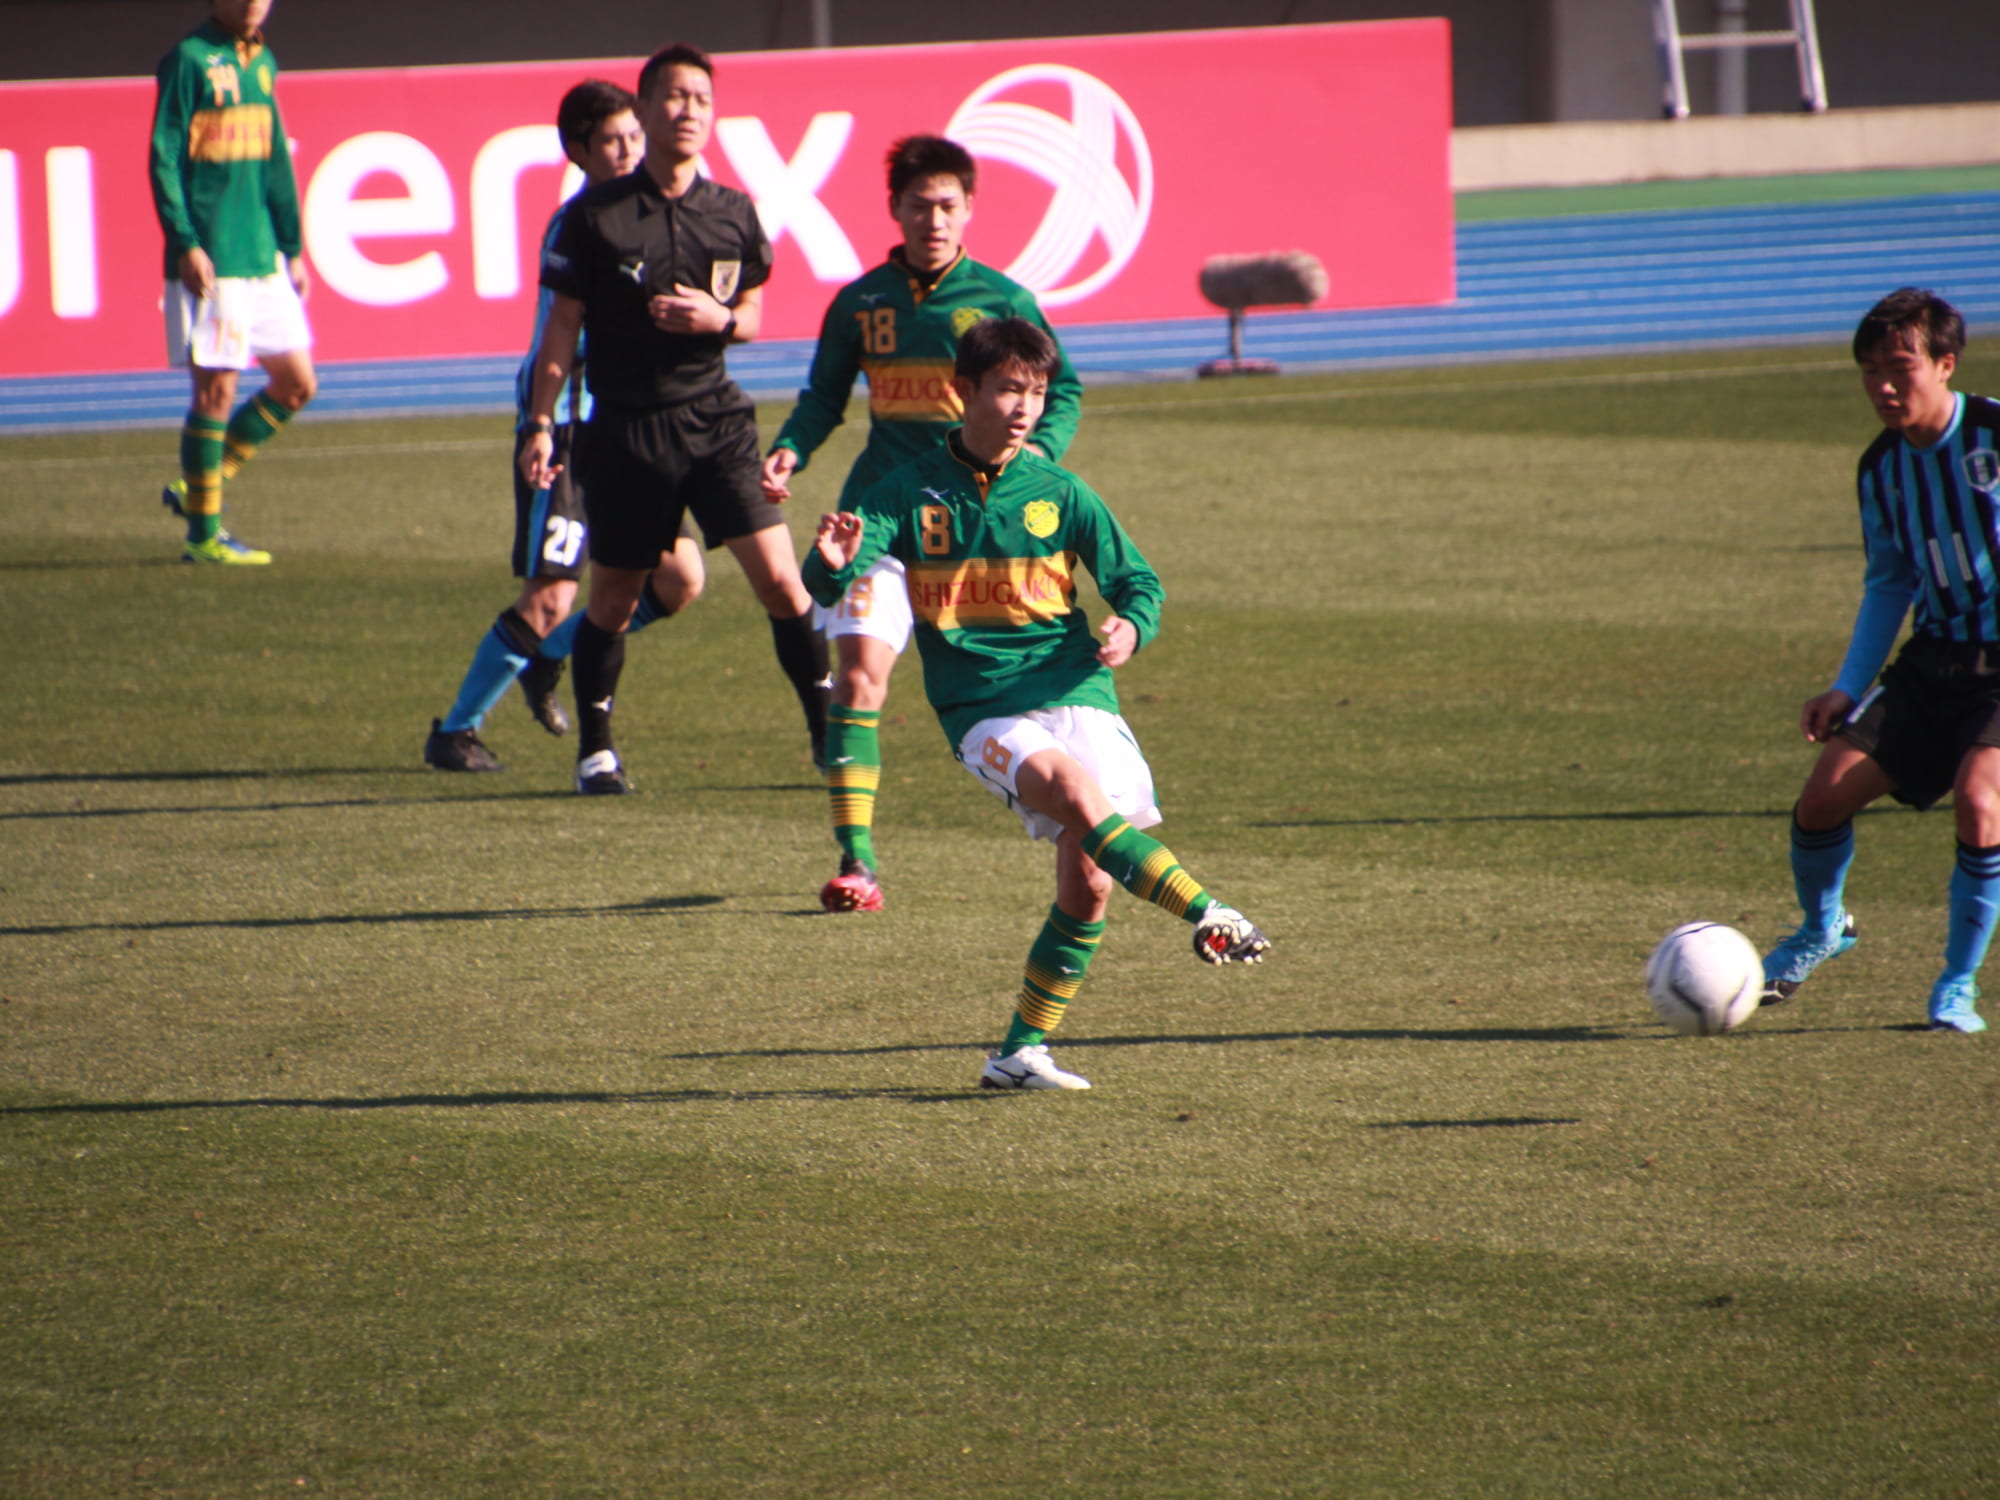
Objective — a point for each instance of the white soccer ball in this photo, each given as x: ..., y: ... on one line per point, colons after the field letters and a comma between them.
x: 1705, y: 978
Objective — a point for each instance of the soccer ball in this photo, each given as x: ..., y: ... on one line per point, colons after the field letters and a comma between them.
x: 1705, y: 978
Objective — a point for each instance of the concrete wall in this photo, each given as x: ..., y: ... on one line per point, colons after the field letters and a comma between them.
x: 1516, y: 61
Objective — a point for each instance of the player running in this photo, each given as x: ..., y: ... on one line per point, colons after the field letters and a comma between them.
x: 1930, y: 524
x: 988, y: 532
x: 899, y: 325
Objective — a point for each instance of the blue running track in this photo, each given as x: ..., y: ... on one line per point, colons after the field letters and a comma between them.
x: 1527, y: 288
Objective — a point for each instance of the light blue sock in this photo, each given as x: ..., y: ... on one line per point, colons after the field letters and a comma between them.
x: 1975, y: 904
x: 558, y: 643
x: 1820, y: 861
x: 494, y: 667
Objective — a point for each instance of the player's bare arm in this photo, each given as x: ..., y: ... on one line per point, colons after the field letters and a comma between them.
x: 554, y: 359
x: 838, y: 540
x: 1121, y: 639
x: 295, y: 267
x: 1824, y: 714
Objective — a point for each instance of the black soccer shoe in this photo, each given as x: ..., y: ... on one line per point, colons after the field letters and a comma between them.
x: 458, y: 750
x: 539, y: 679
x: 601, y: 775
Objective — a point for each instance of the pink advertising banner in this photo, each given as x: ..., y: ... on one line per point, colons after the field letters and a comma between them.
x: 1110, y: 168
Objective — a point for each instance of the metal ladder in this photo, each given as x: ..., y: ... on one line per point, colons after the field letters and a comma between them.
x: 1674, y: 45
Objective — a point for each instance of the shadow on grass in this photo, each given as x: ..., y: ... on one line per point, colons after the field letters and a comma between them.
x: 91, y: 778
x: 486, y: 1099
x: 1688, y: 815
x: 498, y: 1098
x: 1501, y: 1122
x: 651, y: 905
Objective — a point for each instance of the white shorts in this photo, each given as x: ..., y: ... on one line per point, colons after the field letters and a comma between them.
x: 876, y: 604
x: 249, y: 318
x: 1100, y: 742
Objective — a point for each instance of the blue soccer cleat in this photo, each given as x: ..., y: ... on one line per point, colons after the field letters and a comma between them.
x: 1953, y: 1003
x: 1791, y: 963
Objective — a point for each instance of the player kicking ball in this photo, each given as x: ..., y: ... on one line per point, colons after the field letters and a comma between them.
x: 988, y: 532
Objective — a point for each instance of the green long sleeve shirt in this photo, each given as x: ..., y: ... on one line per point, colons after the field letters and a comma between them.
x: 221, y: 168
x: 904, y: 336
x: 991, y: 563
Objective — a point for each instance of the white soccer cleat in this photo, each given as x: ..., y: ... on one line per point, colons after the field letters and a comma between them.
x: 1225, y: 936
x: 1030, y: 1068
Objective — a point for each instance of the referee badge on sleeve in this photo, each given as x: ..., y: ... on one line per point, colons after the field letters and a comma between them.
x: 723, y: 278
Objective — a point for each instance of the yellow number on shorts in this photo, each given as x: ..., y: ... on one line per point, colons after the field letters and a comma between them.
x: 935, y: 521
x: 878, y: 330
x: 997, y: 755
x: 860, y: 600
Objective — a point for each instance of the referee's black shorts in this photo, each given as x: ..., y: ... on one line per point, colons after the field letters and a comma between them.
x: 642, y: 468
x: 1938, y: 700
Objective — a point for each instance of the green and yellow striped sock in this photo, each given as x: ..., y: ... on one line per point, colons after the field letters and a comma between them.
x: 201, y: 470
x: 1147, y: 868
x: 853, y: 772
x: 256, y: 422
x: 1056, y: 964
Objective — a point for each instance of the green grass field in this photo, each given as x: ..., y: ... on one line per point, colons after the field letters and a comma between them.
x: 369, y: 1131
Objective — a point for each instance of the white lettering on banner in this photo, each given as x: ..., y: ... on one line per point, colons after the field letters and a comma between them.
x: 787, y: 193
x: 10, y: 233
x: 1078, y: 158
x: 72, y: 233
x: 496, y: 222
x: 335, y: 219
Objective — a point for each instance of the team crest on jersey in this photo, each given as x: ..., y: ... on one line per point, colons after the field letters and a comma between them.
x: 1982, y: 469
x: 724, y: 276
x: 963, y: 318
x: 264, y: 78
x: 1041, y: 517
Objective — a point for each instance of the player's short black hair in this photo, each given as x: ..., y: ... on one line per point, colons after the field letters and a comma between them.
x: 995, y: 343
x: 1911, y: 314
x: 588, y: 105
x: 675, y: 55
x: 915, y: 157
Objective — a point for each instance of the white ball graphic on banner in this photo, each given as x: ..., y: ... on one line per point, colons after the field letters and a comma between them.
x: 1077, y: 156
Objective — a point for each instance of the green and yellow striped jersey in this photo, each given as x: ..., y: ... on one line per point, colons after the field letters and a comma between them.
x: 222, y: 171
x: 991, y: 569
x: 904, y: 337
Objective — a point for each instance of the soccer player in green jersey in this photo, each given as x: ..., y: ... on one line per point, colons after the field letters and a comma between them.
x: 989, y: 532
x: 899, y: 325
x: 236, y: 280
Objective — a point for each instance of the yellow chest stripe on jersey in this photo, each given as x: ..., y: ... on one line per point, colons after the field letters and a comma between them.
x: 997, y: 591
x: 238, y: 132
x: 902, y: 389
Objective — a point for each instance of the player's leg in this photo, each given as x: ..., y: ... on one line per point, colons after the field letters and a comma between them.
x: 1088, y: 778
x: 671, y: 587
x: 772, y: 570
x: 289, y: 384
x: 201, y: 456
x: 1975, y: 891
x: 726, y: 494
x: 630, y: 468
x: 1844, y: 780
x: 547, y: 556
x: 1056, y: 965
x: 869, y: 628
